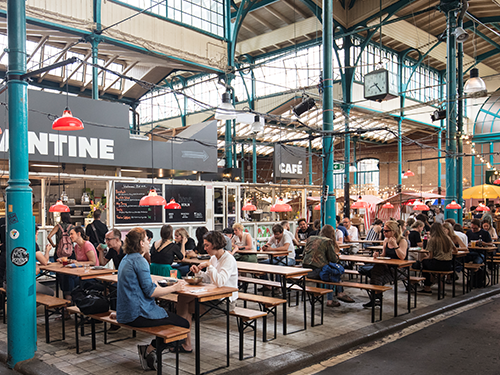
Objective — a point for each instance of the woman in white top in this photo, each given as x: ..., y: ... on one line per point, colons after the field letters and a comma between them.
x: 488, y: 228
x: 221, y: 270
x: 242, y: 241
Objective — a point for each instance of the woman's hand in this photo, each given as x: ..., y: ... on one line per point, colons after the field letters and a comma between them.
x: 376, y: 254
x: 190, y: 254
x: 184, y: 240
x: 392, y: 242
x: 112, y: 315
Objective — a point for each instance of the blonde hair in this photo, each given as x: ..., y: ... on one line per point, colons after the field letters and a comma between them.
x: 238, y: 226
x: 182, y: 232
x: 451, y: 232
x: 394, y: 227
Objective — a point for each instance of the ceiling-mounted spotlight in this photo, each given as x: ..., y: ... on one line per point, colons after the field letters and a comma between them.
x: 306, y: 105
x: 475, y: 84
x: 460, y: 34
x: 438, y: 115
x: 257, y: 126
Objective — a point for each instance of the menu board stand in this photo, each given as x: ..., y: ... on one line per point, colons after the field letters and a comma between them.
x: 127, y: 209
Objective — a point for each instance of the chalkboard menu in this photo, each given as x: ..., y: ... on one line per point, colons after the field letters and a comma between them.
x: 192, y: 201
x: 127, y: 209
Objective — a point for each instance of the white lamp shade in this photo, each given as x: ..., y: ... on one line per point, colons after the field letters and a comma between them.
x: 474, y: 84
x: 225, y: 112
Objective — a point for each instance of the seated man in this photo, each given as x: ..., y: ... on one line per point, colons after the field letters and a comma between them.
x: 114, y: 249
x: 281, y: 240
x: 302, y: 233
x: 476, y: 233
x: 353, y: 234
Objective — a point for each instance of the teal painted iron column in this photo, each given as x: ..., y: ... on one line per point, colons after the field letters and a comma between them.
x: 460, y: 129
x: 95, y: 74
x: 451, y: 114
x: 20, y: 244
x: 439, y: 171
x: 400, y: 157
x: 243, y: 162
x: 254, y: 160
x: 328, y: 209
x: 355, y: 179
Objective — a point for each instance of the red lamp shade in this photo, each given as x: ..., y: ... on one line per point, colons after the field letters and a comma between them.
x: 248, y: 207
x: 408, y: 173
x: 172, y: 205
x: 152, y: 199
x: 419, y: 206
x: 453, y: 206
x: 360, y: 203
x: 281, y: 206
x: 59, y: 207
x: 67, y: 122
x: 388, y: 205
x: 482, y: 207
x: 317, y: 207
x: 496, y: 182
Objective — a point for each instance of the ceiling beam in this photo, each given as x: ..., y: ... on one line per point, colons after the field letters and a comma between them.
x: 296, y: 8
x: 278, y: 15
x: 75, y: 70
x: 106, y: 88
x: 263, y: 22
x: 40, y: 44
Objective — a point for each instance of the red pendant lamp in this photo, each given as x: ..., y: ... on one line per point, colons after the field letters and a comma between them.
x: 317, y: 207
x: 482, y: 207
x: 248, y: 207
x: 67, y: 122
x: 59, y: 207
x: 408, y: 173
x: 496, y: 182
x: 360, y: 203
x: 453, y: 206
x: 419, y: 206
x: 152, y: 199
x: 172, y: 205
x: 388, y: 205
x: 281, y: 206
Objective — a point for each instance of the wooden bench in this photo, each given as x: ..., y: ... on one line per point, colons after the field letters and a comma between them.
x: 247, y: 318
x: 468, y: 272
x: 164, y: 334
x: 440, y: 277
x: 52, y: 305
x: 268, y: 305
x: 315, y: 294
x: 370, y: 288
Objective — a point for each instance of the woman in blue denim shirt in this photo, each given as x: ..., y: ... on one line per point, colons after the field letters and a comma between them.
x: 136, y: 304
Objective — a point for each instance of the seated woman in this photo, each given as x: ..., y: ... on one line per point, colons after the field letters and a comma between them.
x: 486, y: 225
x: 395, y: 246
x: 187, y: 246
x: 136, y: 304
x: 200, y: 232
x: 242, y: 241
x: 320, y: 251
x: 441, y: 250
x: 221, y: 270
x: 448, y: 230
x: 163, y: 252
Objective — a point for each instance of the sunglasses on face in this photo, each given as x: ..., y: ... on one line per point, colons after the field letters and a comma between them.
x: 387, y: 230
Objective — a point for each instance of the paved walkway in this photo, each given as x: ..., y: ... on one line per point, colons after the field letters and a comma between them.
x: 344, y: 328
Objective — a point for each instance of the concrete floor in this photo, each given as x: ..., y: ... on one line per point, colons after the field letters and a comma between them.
x: 121, y: 357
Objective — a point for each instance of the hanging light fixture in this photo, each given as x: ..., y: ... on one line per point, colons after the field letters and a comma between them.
x: 152, y: 199
x: 360, y: 203
x: 497, y: 181
x: 453, y: 206
x: 482, y: 207
x: 67, y: 122
x: 408, y: 173
x: 248, y: 207
x: 59, y: 206
x: 226, y: 110
x: 306, y: 104
x: 475, y: 84
x: 388, y: 205
x: 172, y: 205
x: 257, y: 126
x: 281, y: 206
x: 317, y: 207
x: 419, y: 206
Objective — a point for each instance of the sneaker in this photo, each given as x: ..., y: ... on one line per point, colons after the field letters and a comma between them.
x: 370, y: 304
x: 113, y: 329
x: 151, y: 360
x: 423, y: 291
x: 333, y: 304
x: 141, y: 349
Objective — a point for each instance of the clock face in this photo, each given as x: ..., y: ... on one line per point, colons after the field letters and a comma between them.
x: 375, y: 84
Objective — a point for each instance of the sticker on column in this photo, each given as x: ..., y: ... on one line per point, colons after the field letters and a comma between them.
x: 14, y: 234
x: 19, y: 256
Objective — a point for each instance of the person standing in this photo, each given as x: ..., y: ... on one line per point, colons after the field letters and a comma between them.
x: 97, y: 230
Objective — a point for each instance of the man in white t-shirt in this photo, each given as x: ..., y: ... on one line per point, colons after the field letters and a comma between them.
x: 353, y: 234
x: 281, y: 240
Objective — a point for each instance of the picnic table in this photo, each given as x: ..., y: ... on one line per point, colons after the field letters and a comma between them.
x: 394, y: 264
x: 203, y: 293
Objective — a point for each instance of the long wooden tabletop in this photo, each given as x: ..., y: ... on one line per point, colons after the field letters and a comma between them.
x: 275, y: 253
x: 274, y: 269
x: 389, y: 262
x: 80, y: 271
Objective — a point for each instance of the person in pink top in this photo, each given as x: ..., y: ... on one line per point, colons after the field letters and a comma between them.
x: 84, y: 250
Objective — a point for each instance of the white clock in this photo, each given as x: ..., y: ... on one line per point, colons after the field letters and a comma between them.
x: 378, y: 87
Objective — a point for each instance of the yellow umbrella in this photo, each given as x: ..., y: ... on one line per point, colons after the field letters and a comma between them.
x: 482, y: 191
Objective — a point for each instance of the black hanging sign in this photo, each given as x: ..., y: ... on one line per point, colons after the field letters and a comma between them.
x: 127, y: 209
x: 192, y: 200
